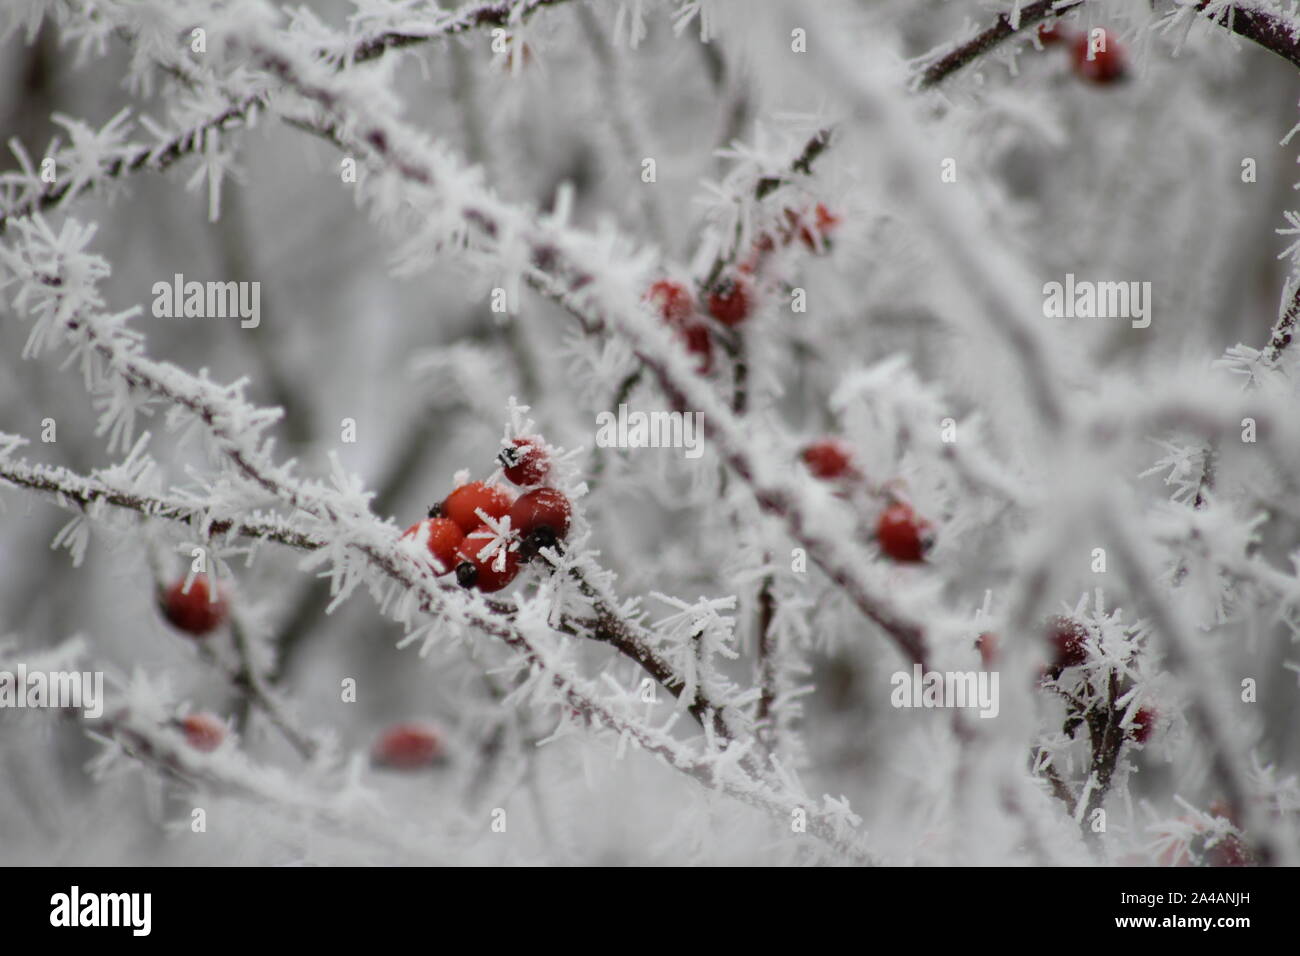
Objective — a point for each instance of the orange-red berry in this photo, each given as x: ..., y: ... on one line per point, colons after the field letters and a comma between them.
x: 443, y: 537
x: 1069, y: 641
x: 1104, y: 65
x: 828, y: 458
x: 729, y: 302
x: 463, y: 504
x: 487, y: 573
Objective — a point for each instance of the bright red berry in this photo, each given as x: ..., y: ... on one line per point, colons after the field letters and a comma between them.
x: 197, y: 611
x: 443, y: 537
x: 987, y: 645
x: 542, y: 518
x: 672, y: 299
x: 203, y: 732
x: 828, y: 458
x: 408, y: 746
x: 463, y: 504
x: 902, y: 535
x: 1069, y: 641
x: 1144, y: 722
x: 488, y: 573
x: 729, y: 302
x: 1101, y: 61
x: 525, y: 461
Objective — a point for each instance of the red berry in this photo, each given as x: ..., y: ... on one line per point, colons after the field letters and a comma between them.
x: 1230, y: 851
x: 695, y: 336
x: 525, y: 461
x: 443, y: 536
x: 408, y: 746
x: 489, y: 573
x: 194, y: 612
x: 1100, y: 66
x: 672, y: 299
x: 902, y: 535
x: 1069, y: 641
x: 814, y: 234
x: 1144, y: 722
x: 463, y: 504
x: 729, y: 302
x: 828, y: 458
x: 1053, y: 34
x: 203, y: 732
x: 987, y: 645
x: 542, y: 519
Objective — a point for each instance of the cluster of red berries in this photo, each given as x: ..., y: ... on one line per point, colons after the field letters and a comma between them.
x: 730, y: 300
x: 198, y: 611
x: 901, y: 533
x: 1103, y: 66
x: 459, y: 539
x: 408, y: 746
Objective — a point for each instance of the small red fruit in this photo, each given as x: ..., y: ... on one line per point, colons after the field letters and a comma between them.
x: 1230, y: 851
x: 729, y: 302
x: 815, y: 234
x: 195, y: 612
x: 902, y: 535
x: 542, y: 518
x: 987, y: 645
x: 408, y: 746
x: 828, y: 458
x: 463, y: 504
x: 443, y: 536
x: 489, y: 573
x: 203, y: 732
x: 695, y: 336
x: 525, y: 461
x: 1144, y: 722
x: 1103, y: 65
x: 1069, y: 641
x: 1053, y: 34
x: 672, y: 299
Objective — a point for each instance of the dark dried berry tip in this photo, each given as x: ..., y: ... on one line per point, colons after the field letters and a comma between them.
x: 466, y: 574
x: 435, y: 511
x: 536, y: 540
x: 509, y: 456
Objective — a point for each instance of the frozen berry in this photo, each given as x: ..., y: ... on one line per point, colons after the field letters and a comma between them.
x: 1069, y: 641
x: 1229, y: 851
x: 408, y: 746
x: 542, y: 519
x: 902, y: 535
x: 525, y: 461
x: 729, y: 302
x: 197, y: 611
x: 672, y: 299
x: 1144, y: 722
x: 1101, y: 61
x: 203, y: 732
x: 487, y: 572
x: 1053, y: 34
x: 813, y: 229
x: 695, y: 336
x: 828, y: 458
x: 987, y: 645
x: 463, y: 504
x: 442, y: 536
